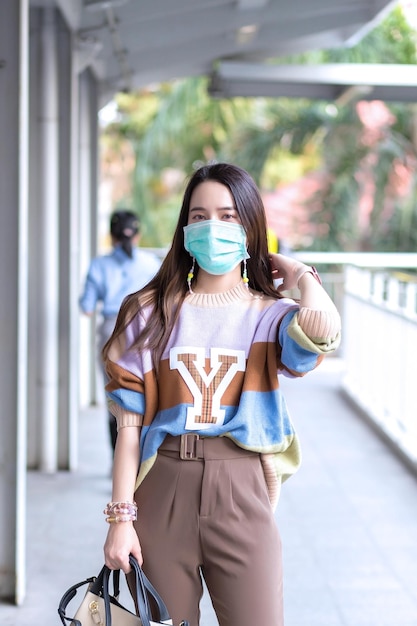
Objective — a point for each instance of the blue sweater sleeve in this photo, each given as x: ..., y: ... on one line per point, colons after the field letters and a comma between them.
x: 296, y: 358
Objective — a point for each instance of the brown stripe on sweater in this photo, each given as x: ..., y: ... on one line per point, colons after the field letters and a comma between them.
x: 261, y: 374
x: 119, y: 377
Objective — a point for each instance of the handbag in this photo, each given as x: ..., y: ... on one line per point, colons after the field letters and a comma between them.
x: 100, y: 608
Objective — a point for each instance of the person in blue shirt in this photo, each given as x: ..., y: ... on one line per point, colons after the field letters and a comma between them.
x: 112, y: 277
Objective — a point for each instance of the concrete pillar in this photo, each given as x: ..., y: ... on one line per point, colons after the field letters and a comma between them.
x: 54, y: 244
x: 88, y: 147
x: 48, y: 251
x: 14, y: 287
x: 68, y: 250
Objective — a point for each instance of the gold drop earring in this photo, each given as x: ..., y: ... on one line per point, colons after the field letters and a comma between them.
x: 245, y: 278
x: 190, y: 276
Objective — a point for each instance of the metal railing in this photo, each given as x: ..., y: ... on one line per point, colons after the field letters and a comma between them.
x: 377, y: 297
x: 380, y: 345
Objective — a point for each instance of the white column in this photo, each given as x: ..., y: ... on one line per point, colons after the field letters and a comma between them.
x: 13, y: 282
x: 68, y: 251
x: 48, y: 215
x: 88, y: 228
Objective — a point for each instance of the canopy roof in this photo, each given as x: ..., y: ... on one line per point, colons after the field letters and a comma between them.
x: 135, y: 43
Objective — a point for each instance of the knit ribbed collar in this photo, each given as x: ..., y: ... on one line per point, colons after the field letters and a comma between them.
x: 236, y: 294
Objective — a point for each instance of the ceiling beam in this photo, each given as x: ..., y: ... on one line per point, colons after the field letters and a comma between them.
x: 395, y: 83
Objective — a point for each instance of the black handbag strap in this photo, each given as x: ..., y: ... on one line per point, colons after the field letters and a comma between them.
x: 162, y: 611
x: 141, y: 598
x: 144, y: 590
x: 68, y: 596
x: 96, y: 586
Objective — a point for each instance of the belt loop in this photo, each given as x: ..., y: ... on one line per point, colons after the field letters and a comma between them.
x: 188, y: 448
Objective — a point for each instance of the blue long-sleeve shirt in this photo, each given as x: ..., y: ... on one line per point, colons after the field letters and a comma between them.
x: 113, y: 276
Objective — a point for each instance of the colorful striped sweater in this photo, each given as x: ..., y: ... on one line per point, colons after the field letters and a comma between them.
x: 218, y: 376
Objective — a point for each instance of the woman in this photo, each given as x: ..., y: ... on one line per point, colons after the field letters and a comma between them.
x: 111, y: 277
x: 193, y: 365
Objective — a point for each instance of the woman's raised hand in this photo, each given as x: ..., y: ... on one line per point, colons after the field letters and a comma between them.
x: 287, y: 268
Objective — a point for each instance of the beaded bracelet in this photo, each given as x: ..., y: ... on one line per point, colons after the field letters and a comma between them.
x: 115, y: 519
x: 121, y: 512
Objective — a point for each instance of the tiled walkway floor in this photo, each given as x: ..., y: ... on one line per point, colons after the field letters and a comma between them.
x: 348, y: 520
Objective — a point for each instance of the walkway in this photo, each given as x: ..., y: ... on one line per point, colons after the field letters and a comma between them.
x: 348, y: 520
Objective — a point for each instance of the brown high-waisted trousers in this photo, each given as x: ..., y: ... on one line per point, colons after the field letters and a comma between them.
x: 211, y: 516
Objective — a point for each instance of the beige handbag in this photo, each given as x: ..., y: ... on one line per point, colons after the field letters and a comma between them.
x: 100, y: 608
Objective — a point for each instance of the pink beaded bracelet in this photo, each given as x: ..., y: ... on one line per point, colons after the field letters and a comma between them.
x: 121, y: 512
x: 115, y: 519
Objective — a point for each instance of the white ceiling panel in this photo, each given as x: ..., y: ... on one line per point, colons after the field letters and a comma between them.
x: 137, y: 42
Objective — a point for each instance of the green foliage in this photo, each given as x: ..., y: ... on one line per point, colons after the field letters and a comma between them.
x: 404, y: 221
x: 290, y: 126
x: 392, y: 41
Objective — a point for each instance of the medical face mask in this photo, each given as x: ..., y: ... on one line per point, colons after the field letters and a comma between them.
x: 218, y: 247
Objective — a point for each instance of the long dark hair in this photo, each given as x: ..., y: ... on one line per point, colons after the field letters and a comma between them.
x: 124, y: 225
x: 167, y: 290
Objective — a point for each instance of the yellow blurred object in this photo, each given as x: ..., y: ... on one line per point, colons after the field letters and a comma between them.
x: 272, y: 241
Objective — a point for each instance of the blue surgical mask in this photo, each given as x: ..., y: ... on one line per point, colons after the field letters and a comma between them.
x: 218, y: 247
